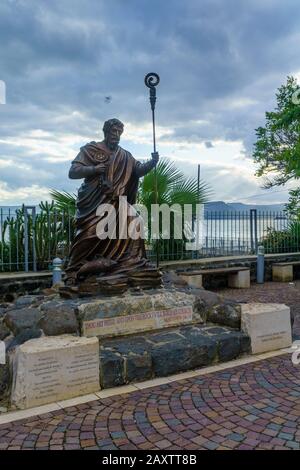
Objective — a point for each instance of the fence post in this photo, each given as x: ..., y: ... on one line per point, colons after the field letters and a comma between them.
x: 26, y: 239
x: 33, y: 239
x: 253, y: 230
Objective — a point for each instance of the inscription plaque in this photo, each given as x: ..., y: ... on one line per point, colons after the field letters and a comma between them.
x: 268, y: 325
x: 147, y: 321
x: 49, y: 369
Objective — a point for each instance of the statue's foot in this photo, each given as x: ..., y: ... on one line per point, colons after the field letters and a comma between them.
x: 97, y: 266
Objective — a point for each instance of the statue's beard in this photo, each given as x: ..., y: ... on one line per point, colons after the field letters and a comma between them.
x: 112, y: 145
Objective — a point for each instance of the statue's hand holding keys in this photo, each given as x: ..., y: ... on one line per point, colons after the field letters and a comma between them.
x: 100, y: 168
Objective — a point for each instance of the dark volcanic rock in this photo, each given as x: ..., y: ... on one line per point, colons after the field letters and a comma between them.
x: 2, y: 312
x: 138, y: 363
x: 171, y: 277
x: 245, y: 343
x: 111, y: 369
x: 9, y: 298
x: 136, y: 345
x: 205, y: 301
x: 168, y: 337
x: 4, y: 331
x: 177, y: 356
x: 138, y: 367
x: 28, y: 300
x: 4, y: 379
x: 136, y: 358
x: 229, y: 346
x: 5, y: 305
x: 25, y: 335
x: 209, y: 298
x: 5, y: 375
x: 227, y: 313
x: 58, y: 318
x: 18, y: 320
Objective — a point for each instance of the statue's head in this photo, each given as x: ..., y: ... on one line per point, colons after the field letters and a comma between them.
x: 112, y: 129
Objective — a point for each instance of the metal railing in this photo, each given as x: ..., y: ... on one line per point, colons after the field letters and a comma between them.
x: 236, y: 233
x: 30, y: 237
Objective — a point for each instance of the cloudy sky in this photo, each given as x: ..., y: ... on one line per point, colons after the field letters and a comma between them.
x: 69, y: 65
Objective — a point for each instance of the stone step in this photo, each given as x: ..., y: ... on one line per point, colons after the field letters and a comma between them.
x: 141, y: 357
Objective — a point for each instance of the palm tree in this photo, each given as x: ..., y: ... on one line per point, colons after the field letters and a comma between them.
x: 173, y: 187
x: 64, y: 201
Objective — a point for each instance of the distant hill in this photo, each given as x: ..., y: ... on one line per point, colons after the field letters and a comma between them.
x: 219, y: 206
x: 222, y: 206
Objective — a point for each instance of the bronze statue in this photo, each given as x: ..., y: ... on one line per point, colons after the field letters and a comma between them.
x: 109, y: 171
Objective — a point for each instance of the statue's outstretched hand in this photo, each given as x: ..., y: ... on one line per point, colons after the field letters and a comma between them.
x: 155, y: 157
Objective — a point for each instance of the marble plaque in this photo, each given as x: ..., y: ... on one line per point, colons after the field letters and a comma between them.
x: 268, y: 325
x: 147, y: 321
x: 54, y: 368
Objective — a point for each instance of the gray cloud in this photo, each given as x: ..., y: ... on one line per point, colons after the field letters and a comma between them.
x: 220, y: 64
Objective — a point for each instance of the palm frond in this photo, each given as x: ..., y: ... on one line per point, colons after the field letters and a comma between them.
x: 64, y: 201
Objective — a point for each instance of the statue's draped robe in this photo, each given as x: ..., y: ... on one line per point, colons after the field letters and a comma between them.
x: 123, y: 176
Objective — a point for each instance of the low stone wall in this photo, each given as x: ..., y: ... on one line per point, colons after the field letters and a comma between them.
x: 13, y: 285
x: 220, y: 280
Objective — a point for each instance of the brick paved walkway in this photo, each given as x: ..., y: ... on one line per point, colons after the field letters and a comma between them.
x: 252, y: 406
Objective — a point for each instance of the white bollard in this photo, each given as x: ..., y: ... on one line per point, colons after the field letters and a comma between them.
x: 57, y: 271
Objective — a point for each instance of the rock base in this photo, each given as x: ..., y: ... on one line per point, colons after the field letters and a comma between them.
x: 139, y: 358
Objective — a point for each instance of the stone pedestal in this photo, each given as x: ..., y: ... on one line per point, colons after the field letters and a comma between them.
x: 50, y: 369
x: 239, y: 280
x: 131, y: 314
x: 267, y: 325
x: 282, y: 273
